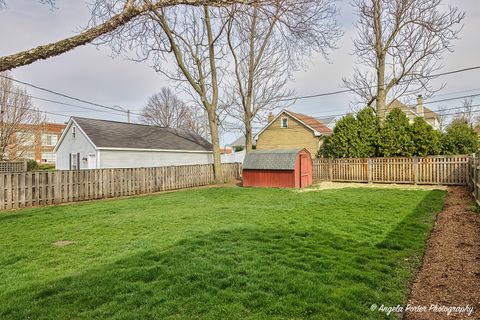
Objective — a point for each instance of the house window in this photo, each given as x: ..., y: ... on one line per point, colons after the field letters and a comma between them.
x: 74, y: 132
x: 48, y: 157
x: 284, y: 122
x: 49, y: 139
x: 25, y: 138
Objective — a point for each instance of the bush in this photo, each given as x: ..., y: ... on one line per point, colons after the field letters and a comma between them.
x: 459, y: 138
x: 32, y: 165
x: 396, y: 136
x: 344, y: 142
x: 364, y: 136
x: 425, y: 139
x: 368, y: 133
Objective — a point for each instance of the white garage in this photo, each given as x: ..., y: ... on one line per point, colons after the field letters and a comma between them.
x: 99, y: 144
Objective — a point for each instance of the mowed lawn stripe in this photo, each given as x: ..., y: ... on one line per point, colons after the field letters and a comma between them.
x: 213, y: 253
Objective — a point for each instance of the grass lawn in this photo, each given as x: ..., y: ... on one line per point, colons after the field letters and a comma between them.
x: 216, y: 253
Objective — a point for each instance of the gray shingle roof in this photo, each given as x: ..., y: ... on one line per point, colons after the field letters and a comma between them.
x: 279, y: 159
x: 112, y: 134
x: 240, y: 141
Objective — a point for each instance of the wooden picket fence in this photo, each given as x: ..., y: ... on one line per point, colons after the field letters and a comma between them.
x: 445, y: 170
x: 36, y: 188
x: 13, y: 166
x: 474, y: 176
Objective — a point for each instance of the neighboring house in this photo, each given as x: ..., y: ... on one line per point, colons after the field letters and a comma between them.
x: 37, y: 142
x: 291, y: 130
x: 240, y: 143
x: 419, y: 110
x: 98, y: 144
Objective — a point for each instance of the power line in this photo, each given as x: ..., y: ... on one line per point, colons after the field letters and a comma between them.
x: 39, y: 111
x: 454, y: 98
x: 74, y: 105
x: 317, y: 95
x: 64, y: 95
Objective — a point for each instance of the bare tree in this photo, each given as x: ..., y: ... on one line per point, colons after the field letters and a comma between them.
x: 20, y: 121
x: 468, y: 111
x: 166, y: 110
x: 117, y: 13
x: 401, y: 43
x: 443, y: 117
x: 267, y: 42
x: 181, y: 42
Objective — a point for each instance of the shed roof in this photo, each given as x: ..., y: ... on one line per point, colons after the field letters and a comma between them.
x: 279, y: 159
x: 113, y: 134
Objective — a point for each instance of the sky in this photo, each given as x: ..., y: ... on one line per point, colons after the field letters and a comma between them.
x: 90, y: 73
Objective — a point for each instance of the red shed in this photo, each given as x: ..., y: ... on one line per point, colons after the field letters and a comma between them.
x: 290, y: 168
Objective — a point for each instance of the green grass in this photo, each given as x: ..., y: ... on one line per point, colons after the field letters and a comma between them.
x: 216, y: 253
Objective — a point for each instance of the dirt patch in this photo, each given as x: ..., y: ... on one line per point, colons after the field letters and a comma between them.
x: 450, y: 274
x: 63, y: 243
x: 325, y: 185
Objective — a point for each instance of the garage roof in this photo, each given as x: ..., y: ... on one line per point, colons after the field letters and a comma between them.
x: 279, y: 159
x: 122, y: 135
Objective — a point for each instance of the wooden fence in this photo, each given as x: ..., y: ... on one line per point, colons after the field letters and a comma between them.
x: 474, y: 176
x: 13, y: 166
x: 445, y: 170
x: 35, y: 188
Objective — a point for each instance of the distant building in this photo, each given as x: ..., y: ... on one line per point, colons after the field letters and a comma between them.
x: 239, y: 143
x: 419, y: 110
x: 36, y: 142
x: 292, y: 130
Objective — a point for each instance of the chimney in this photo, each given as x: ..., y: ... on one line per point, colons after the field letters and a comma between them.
x: 419, y: 107
x: 270, y: 117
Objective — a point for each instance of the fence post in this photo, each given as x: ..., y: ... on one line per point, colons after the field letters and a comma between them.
x: 415, y: 170
x: 475, y: 177
x: 330, y: 169
x: 57, y: 187
x: 369, y: 170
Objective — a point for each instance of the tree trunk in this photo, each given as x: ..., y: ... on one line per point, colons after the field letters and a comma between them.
x: 248, y: 133
x: 381, y: 98
x: 217, y: 161
x: 381, y: 103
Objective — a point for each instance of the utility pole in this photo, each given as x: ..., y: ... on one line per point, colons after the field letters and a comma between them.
x: 129, y: 117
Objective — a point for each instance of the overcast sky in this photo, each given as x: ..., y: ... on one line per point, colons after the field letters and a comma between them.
x: 89, y: 73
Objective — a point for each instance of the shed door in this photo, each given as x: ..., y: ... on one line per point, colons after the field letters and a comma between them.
x: 304, y: 170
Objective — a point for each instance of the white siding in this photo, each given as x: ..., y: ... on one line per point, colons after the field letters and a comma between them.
x: 79, y: 144
x: 233, y: 157
x: 138, y: 159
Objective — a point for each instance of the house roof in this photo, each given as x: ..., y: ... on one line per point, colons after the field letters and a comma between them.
x: 278, y: 159
x: 318, y: 127
x: 312, y: 122
x: 428, y: 113
x: 240, y: 142
x: 122, y: 135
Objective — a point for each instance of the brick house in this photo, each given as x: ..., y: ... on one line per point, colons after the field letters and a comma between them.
x: 292, y: 130
x: 37, y: 142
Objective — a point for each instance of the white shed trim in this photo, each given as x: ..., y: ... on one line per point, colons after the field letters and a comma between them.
x: 64, y: 133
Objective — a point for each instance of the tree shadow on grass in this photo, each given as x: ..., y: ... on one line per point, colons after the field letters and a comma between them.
x: 231, y: 274
x: 411, y: 232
